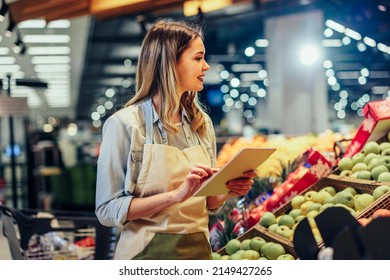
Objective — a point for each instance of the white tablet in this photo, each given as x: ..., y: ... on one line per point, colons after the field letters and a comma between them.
x: 244, y: 160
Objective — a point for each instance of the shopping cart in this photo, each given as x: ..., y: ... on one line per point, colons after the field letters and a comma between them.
x: 56, y: 235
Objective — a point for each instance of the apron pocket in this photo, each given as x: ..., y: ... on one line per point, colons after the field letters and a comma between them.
x: 167, y: 246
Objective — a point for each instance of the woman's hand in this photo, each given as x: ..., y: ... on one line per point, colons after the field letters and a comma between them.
x: 193, y: 181
x: 241, y: 186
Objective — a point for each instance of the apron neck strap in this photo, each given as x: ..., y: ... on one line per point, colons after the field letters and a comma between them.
x: 147, y: 108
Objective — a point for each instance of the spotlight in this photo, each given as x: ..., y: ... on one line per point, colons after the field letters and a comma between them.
x: 3, y: 11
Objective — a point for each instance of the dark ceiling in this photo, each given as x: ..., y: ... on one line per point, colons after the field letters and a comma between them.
x: 227, y: 34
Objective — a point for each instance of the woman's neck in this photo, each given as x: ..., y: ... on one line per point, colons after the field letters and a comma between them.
x: 156, y: 100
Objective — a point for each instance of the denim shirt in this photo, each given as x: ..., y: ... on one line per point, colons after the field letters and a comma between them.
x: 120, y: 158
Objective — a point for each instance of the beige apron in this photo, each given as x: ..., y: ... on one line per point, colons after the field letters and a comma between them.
x: 181, y: 230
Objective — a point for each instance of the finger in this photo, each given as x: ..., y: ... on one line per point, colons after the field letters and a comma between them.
x: 250, y: 173
x: 200, y: 172
x: 240, y: 182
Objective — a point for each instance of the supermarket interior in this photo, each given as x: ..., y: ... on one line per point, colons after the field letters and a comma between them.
x: 308, y: 78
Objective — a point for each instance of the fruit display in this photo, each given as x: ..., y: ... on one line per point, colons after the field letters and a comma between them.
x: 287, y: 149
x: 328, y: 192
x: 255, y: 245
x: 371, y: 163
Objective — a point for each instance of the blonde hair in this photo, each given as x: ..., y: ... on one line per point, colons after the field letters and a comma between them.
x: 161, y: 50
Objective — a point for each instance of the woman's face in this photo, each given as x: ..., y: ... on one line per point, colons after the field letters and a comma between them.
x: 192, y: 67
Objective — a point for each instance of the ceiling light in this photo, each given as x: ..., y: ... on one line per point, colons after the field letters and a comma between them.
x: 46, y: 38
x: 4, y: 51
x: 353, y: 34
x: 9, y: 68
x: 32, y: 23
x: 50, y: 59
x: 309, y: 54
x: 61, y: 23
x: 52, y: 68
x: 7, y: 60
x: 51, y: 76
x: 369, y: 42
x: 331, y: 43
x: 48, y: 50
x: 335, y: 26
x: 262, y: 43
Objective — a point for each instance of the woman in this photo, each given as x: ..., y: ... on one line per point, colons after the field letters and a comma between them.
x: 158, y: 150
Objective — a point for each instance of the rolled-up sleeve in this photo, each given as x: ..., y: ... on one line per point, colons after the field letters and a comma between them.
x: 112, y: 201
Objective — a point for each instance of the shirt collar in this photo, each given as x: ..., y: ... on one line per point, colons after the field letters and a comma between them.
x: 184, y: 115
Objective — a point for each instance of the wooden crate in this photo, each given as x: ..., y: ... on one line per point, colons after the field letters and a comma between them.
x: 339, y: 183
x: 381, y: 203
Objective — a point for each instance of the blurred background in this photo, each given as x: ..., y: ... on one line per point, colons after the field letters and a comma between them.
x: 287, y: 67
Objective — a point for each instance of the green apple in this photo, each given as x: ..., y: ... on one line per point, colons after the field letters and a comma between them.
x: 256, y: 243
x: 251, y: 255
x: 354, y: 175
x: 331, y: 190
x: 274, y: 250
x: 310, y: 195
x: 240, y: 252
x: 385, y: 152
x: 321, y: 196
x: 359, y: 167
x: 325, y: 206
x: 386, y: 160
x: 299, y: 218
x: 376, y: 171
x: 359, y: 157
x: 312, y: 214
x: 384, y: 146
x: 264, y: 249
x: 345, y: 164
x: 364, y: 175
x: 375, y: 162
x: 304, y: 207
x: 286, y: 220
x: 273, y: 227
x: 232, y: 246
x: 371, y: 147
x: 215, y: 256
x: 384, y: 177
x: 225, y: 257
x: 369, y: 157
x: 346, y: 173
x: 286, y: 257
x: 351, y: 190
x: 380, y: 190
x: 245, y: 244
x: 285, y: 231
x: 235, y: 257
x: 295, y: 213
x: 344, y: 197
x: 267, y: 219
x: 313, y: 206
x: 362, y: 201
x: 297, y: 201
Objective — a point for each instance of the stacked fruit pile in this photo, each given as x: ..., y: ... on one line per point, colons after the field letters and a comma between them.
x: 311, y: 203
x: 287, y: 149
x: 256, y: 248
x: 372, y: 163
